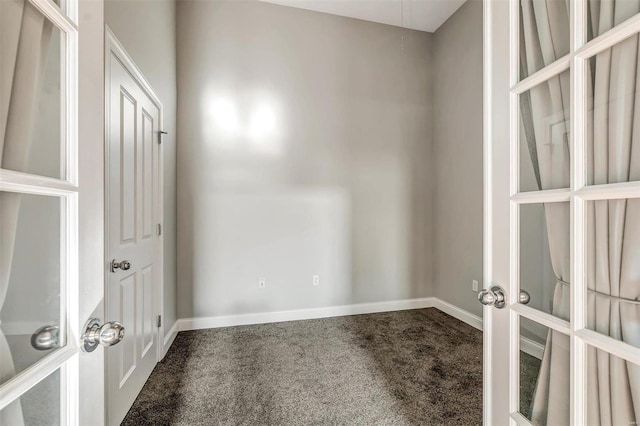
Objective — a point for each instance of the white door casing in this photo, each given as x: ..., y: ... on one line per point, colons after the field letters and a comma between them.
x: 503, y: 200
x: 133, y: 159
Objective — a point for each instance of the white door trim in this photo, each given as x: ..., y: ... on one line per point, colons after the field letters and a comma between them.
x: 113, y: 46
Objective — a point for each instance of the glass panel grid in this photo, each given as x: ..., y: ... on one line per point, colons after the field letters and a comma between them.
x: 544, y: 131
x: 544, y: 273
x: 52, y: 132
x: 40, y: 405
x: 541, y: 351
x: 579, y: 194
x: 596, y: 26
x: 33, y: 308
x: 63, y: 15
x: 613, y: 99
x: 611, y: 384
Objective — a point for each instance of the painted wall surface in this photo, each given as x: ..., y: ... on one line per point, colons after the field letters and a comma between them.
x: 458, y: 217
x: 146, y: 28
x: 303, y: 151
x: 458, y: 205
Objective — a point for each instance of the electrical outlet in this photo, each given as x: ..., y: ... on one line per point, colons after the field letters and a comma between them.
x: 316, y: 280
x: 262, y: 283
x: 474, y: 285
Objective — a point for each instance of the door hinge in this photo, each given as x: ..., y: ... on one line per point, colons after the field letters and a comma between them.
x: 159, y: 229
x: 159, y: 321
x: 160, y: 133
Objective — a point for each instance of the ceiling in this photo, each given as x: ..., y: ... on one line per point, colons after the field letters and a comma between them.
x: 423, y: 15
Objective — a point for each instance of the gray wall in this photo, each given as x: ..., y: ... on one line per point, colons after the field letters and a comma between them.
x: 303, y: 151
x: 457, y: 138
x: 146, y: 28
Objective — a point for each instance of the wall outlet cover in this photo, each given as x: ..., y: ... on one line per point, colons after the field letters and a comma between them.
x: 474, y: 285
x: 262, y: 283
x: 316, y: 280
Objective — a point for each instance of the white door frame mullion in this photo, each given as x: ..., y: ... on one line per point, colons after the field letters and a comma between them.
x: 577, y: 246
x: 542, y: 75
x: 21, y: 383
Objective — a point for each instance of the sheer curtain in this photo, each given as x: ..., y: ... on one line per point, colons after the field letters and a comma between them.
x: 613, y: 226
x: 25, y: 35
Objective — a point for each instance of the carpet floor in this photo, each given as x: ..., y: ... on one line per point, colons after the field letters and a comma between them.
x: 417, y: 367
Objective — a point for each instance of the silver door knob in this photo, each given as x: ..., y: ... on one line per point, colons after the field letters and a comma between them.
x: 524, y: 297
x: 493, y: 297
x: 108, y: 334
x: 125, y: 265
x: 46, y: 338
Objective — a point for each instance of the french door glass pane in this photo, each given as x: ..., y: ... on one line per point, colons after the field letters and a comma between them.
x: 39, y: 406
x: 544, y: 135
x: 613, y: 281
x: 31, y: 124
x: 544, y: 256
x: 612, y: 389
x: 544, y: 33
x: 604, y: 15
x: 613, y: 146
x: 544, y: 368
x: 30, y: 268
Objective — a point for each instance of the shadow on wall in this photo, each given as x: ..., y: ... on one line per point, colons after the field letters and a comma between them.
x: 308, y: 153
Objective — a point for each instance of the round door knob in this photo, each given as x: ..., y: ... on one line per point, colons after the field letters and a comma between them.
x: 108, y: 334
x: 125, y: 265
x: 524, y: 297
x: 493, y: 297
x: 46, y: 338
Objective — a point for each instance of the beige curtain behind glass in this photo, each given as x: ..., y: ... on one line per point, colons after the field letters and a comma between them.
x: 613, y: 226
x: 544, y: 42
x: 24, y: 38
x: 614, y: 236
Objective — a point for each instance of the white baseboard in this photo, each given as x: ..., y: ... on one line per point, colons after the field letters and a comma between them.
x: 531, y: 347
x: 303, y: 314
x: 169, y: 337
x: 527, y: 345
x: 458, y: 313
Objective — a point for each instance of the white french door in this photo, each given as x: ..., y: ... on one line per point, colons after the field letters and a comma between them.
x: 562, y: 212
x: 42, y: 304
x: 39, y: 341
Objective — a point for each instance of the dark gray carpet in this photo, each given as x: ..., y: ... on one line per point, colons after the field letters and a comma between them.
x: 529, y: 369
x: 418, y: 367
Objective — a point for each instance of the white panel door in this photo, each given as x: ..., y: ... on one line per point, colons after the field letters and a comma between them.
x: 562, y: 212
x: 133, y: 233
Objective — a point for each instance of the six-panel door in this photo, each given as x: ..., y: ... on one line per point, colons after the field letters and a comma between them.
x: 133, y: 289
